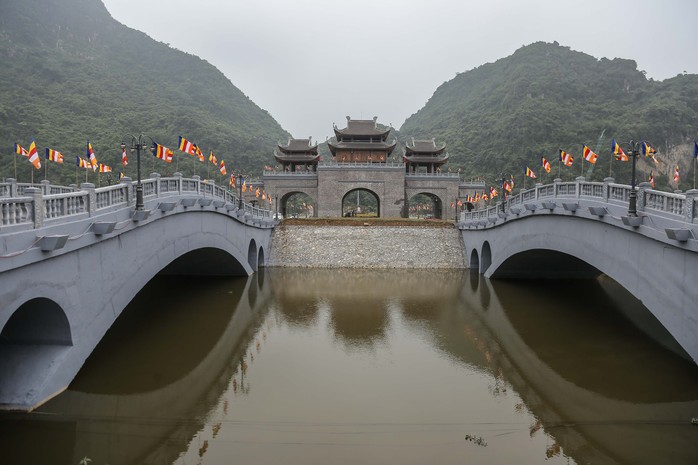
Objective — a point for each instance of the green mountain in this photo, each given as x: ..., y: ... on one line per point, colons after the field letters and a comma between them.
x: 503, y: 116
x: 70, y: 72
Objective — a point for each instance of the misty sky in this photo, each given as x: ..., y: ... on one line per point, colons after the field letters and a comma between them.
x: 310, y: 63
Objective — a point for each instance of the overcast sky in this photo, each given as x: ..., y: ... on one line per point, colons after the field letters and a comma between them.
x: 310, y: 63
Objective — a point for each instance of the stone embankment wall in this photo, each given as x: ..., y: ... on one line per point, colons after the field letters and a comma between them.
x: 366, y: 247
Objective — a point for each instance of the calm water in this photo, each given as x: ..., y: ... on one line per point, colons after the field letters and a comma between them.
x: 370, y: 367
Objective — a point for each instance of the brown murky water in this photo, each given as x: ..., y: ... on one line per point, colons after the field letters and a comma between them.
x: 370, y: 367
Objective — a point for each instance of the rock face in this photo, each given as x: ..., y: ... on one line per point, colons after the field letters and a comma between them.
x: 366, y: 247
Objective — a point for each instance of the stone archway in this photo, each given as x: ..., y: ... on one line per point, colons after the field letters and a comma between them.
x: 361, y: 202
x: 297, y: 204
x: 425, y: 205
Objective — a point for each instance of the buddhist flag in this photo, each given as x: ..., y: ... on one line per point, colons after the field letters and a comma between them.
x: 222, y: 168
x: 104, y: 168
x: 199, y: 154
x: 244, y: 186
x: 124, y: 157
x: 506, y: 186
x: 530, y: 173
x: 121, y: 175
x: 232, y: 180
x: 647, y: 149
x: 212, y: 159
x: 588, y: 155
x: 493, y: 192
x: 477, y: 196
x: 54, y: 155
x: 545, y: 164
x: 618, y: 152
x: 186, y: 146
x: 651, y: 179
x: 82, y: 163
x: 19, y: 150
x: 484, y: 196
x: 162, y: 152
x: 676, y: 174
x: 256, y: 192
x: 91, y: 155
x: 33, y: 156
x: 566, y: 158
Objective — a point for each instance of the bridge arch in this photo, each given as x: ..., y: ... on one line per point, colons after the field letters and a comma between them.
x: 252, y: 255
x: 361, y: 201
x: 474, y: 263
x: 39, y: 321
x: 485, y: 257
x: 260, y: 258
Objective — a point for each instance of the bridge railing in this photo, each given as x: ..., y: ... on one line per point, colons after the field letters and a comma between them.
x: 678, y: 206
x: 43, y: 203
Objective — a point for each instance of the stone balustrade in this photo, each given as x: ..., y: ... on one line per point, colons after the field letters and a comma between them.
x: 32, y: 205
x: 677, y: 206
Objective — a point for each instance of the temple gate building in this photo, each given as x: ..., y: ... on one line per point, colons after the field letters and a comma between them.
x: 363, y: 165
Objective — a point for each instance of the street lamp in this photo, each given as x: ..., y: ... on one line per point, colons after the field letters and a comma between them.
x: 137, y: 144
x: 240, y: 180
x: 634, y: 151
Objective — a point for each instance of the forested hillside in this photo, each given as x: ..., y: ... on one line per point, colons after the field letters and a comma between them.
x: 70, y: 72
x: 503, y: 116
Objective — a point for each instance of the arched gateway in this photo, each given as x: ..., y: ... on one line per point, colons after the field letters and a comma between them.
x: 363, y: 161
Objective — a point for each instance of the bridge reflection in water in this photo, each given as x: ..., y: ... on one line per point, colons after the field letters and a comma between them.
x: 317, y: 366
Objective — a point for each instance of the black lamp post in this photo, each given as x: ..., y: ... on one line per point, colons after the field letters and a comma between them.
x: 634, y: 150
x: 137, y: 144
x: 240, y: 180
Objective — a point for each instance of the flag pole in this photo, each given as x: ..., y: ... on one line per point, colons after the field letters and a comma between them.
x: 610, y: 166
x: 694, y: 172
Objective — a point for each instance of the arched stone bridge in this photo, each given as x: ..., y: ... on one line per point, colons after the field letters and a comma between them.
x: 72, y: 259
x: 582, y: 229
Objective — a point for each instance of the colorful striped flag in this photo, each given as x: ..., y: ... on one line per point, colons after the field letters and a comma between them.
x: 589, y: 155
x: 232, y: 180
x: 676, y: 174
x: 618, y: 151
x: 484, y: 196
x: 200, y: 154
x: 651, y: 179
x: 19, y: 150
x: 82, y: 163
x: 244, y: 186
x: 54, y: 155
x: 493, y: 192
x: 212, y: 159
x: 33, y: 156
x: 186, y: 146
x: 545, y: 164
x: 124, y: 157
x: 91, y: 155
x: 566, y: 158
x: 530, y: 173
x: 506, y: 186
x: 647, y: 149
x: 104, y: 168
x: 222, y: 168
x: 162, y: 152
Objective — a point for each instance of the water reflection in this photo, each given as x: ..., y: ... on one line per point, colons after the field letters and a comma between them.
x: 310, y: 366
